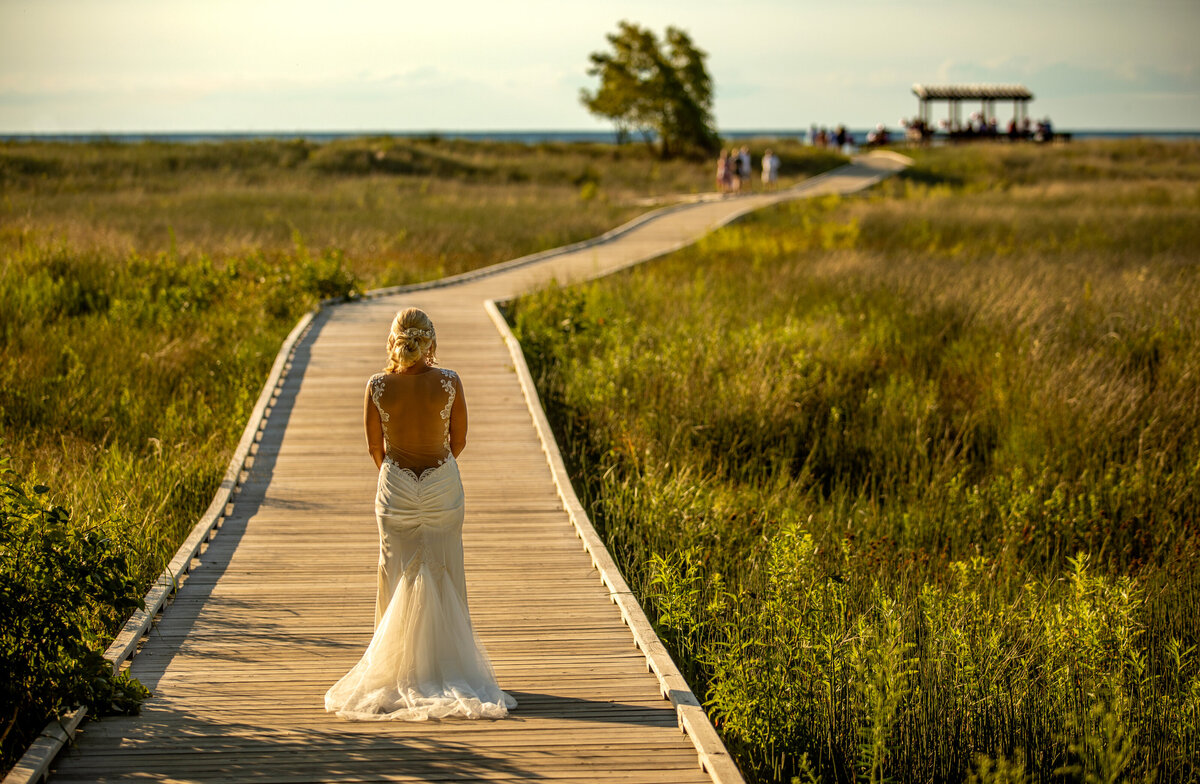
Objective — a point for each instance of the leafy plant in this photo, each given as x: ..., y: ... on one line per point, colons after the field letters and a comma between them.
x: 61, y: 586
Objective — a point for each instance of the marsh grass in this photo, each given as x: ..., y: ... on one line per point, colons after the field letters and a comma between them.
x: 910, y: 481
x: 396, y: 210
x: 145, y: 290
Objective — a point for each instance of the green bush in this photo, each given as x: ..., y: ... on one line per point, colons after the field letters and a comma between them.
x: 61, y: 588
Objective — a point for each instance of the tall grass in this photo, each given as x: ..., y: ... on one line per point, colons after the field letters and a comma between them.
x: 396, y: 210
x: 145, y: 289
x: 910, y: 482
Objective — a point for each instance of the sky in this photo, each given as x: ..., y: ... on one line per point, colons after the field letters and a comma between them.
x: 115, y: 66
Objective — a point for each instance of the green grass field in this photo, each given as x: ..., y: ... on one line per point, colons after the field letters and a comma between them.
x: 910, y: 482
x: 145, y: 290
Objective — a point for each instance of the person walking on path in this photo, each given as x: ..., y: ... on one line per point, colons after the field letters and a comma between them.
x: 770, y: 170
x: 745, y: 167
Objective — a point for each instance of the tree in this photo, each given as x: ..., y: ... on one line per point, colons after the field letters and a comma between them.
x: 663, y: 92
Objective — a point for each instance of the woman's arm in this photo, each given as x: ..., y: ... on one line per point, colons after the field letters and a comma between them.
x: 374, y: 428
x: 458, y: 419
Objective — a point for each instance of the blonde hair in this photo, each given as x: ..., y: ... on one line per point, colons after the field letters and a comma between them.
x: 411, y: 340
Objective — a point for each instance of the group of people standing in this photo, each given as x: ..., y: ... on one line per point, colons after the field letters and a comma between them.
x: 980, y: 127
x: 735, y: 170
x: 823, y: 137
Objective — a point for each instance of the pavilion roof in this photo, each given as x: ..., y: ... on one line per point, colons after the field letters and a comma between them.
x: 967, y: 92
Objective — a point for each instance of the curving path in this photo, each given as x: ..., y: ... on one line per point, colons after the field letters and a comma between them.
x: 281, y: 603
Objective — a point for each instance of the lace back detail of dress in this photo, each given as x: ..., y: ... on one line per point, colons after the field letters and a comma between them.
x: 447, y: 380
x: 376, y: 383
x: 428, y: 406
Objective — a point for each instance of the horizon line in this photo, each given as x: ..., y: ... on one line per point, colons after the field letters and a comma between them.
x: 443, y: 131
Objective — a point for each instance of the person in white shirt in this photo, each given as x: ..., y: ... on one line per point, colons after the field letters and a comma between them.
x: 770, y: 170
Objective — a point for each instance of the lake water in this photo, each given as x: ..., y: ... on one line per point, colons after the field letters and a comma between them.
x: 526, y: 137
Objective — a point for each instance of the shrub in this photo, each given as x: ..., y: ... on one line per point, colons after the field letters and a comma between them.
x: 61, y: 589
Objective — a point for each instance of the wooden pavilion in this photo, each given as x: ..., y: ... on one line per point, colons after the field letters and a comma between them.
x: 986, y: 94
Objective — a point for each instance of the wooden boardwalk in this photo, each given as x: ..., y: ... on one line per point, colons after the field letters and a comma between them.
x: 282, y: 601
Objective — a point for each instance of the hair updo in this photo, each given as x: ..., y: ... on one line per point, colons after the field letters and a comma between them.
x: 412, y: 340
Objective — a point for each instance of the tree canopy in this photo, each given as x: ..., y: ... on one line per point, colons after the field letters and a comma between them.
x: 662, y: 90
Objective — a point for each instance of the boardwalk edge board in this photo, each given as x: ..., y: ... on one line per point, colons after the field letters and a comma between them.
x: 714, y: 758
x: 34, y: 764
x: 637, y: 222
x: 522, y: 261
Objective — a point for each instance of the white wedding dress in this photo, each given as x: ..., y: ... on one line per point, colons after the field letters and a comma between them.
x: 424, y: 660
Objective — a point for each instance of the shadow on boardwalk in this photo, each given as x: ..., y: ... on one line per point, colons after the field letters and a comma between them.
x: 241, y: 752
x: 195, y: 596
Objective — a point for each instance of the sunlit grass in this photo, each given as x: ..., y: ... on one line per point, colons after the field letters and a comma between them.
x: 145, y: 290
x: 396, y: 210
x: 911, y: 481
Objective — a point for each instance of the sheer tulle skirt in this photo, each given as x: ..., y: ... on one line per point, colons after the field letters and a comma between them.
x: 424, y: 660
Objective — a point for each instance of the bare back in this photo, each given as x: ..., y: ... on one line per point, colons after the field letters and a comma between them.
x: 415, y: 420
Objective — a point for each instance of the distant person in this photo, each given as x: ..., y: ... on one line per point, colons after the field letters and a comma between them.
x: 812, y: 135
x: 745, y: 169
x: 734, y: 168
x: 916, y: 131
x: 723, y: 171
x: 770, y: 170
x: 841, y: 137
x: 1012, y: 129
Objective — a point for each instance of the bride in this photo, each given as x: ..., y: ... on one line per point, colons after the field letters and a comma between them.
x: 424, y: 660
